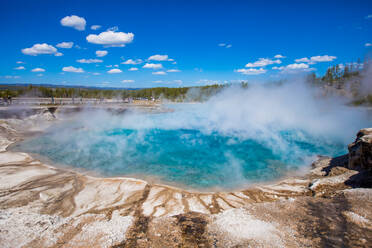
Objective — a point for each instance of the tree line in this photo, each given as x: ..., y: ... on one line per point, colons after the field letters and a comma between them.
x: 173, y: 94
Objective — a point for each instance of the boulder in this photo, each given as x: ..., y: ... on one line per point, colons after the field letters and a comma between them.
x: 360, y: 151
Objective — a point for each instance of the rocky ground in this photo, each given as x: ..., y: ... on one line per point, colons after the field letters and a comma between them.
x: 44, y: 206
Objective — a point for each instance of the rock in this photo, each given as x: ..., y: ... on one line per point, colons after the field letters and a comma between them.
x: 360, y: 151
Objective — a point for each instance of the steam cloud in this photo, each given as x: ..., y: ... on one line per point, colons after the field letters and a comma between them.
x: 278, y: 117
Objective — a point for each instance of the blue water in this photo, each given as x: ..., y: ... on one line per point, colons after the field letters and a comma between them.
x: 190, y: 156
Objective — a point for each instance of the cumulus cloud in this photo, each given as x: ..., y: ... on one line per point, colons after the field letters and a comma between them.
x: 72, y: 69
x: 261, y: 62
x: 294, y: 68
x: 113, y: 71
x: 297, y: 66
x: 279, y: 56
x: 38, y: 70
x: 111, y: 38
x: 159, y: 73
x: 173, y: 70
x: 65, y: 44
x: 127, y: 81
x: 225, y: 45
x: 58, y: 54
x: 19, y: 68
x: 133, y: 69
x: 159, y: 57
x: 89, y: 61
x: 306, y: 60
x: 39, y: 49
x: 95, y: 27
x: 323, y: 58
x: 74, y: 21
x: 368, y: 44
x: 316, y: 59
x: 132, y: 62
x: 152, y: 66
x: 101, y: 53
x: 251, y: 71
x: 20, y: 62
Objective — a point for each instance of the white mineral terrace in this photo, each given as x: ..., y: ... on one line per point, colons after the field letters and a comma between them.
x: 46, y: 206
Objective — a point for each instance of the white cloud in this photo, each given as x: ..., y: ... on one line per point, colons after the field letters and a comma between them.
x: 306, y: 60
x: 133, y: 69
x: 20, y: 62
x: 96, y: 73
x: 323, y: 58
x: 158, y: 57
x: 368, y: 44
x: 251, y: 71
x: 72, y: 69
x: 89, y: 61
x: 112, y: 71
x: 19, y: 68
x: 38, y: 70
x: 95, y: 27
x: 58, y: 54
x: 132, y: 62
x: 173, y: 70
x: 128, y: 81
x: 39, y: 49
x: 152, y: 66
x: 279, y: 56
x: 225, y: 45
x: 65, y: 44
x: 297, y: 66
x: 116, y: 65
x: 292, y: 68
x: 111, y: 38
x: 316, y: 59
x: 74, y: 21
x: 368, y: 16
x: 101, y: 53
x: 159, y: 73
x: 263, y: 62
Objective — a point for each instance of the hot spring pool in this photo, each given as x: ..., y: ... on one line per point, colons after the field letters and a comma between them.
x: 184, y: 147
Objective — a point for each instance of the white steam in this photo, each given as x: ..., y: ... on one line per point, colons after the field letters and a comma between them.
x: 278, y: 117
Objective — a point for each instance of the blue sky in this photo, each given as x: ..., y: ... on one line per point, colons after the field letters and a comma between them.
x: 177, y: 43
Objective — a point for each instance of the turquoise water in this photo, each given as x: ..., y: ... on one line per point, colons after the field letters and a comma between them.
x: 184, y: 153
